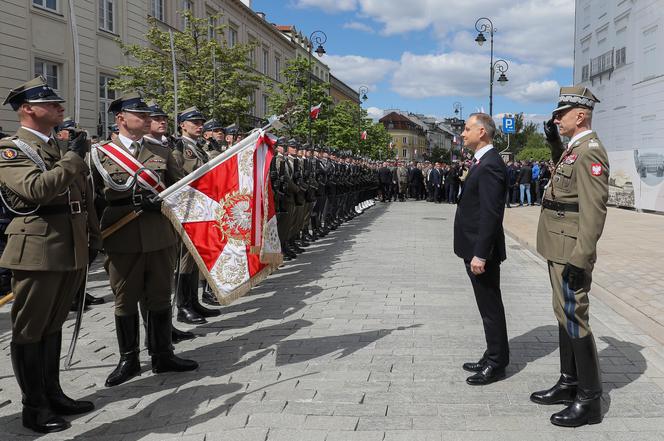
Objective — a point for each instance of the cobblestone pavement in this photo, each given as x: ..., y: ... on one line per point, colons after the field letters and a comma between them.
x: 361, y: 338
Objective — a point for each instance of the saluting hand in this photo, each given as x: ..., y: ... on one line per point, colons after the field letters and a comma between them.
x: 79, y: 145
x: 477, y: 266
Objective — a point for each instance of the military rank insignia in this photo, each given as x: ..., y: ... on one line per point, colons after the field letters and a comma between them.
x: 596, y: 169
x: 9, y: 154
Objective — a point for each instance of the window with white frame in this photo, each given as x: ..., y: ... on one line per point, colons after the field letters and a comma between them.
x: 252, y: 52
x: 50, y: 71
x: 185, y: 6
x: 212, y: 26
x: 405, y: 140
x: 405, y: 153
x: 232, y: 35
x: 106, y: 96
x: 107, y: 15
x: 266, y: 105
x: 157, y: 9
x: 266, y: 61
x: 277, y: 68
x: 51, y: 5
x: 649, y: 44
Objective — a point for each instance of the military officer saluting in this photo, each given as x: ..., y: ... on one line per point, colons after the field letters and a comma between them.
x: 51, y: 239
x: 140, y: 255
x: 571, y: 223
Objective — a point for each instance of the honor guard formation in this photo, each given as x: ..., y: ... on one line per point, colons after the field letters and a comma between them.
x: 62, y: 203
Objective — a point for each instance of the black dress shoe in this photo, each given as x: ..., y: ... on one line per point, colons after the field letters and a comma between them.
x: 487, y: 375
x: 474, y: 367
x: 92, y: 300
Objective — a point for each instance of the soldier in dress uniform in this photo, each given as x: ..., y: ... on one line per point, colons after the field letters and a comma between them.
x: 140, y: 256
x: 52, y: 238
x: 64, y: 131
x: 215, y: 139
x: 191, y: 155
x: 571, y: 223
x: 158, y: 133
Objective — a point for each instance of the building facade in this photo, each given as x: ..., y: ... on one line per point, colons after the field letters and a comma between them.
x: 36, y: 38
x: 340, y: 91
x: 409, y: 140
x: 619, y: 55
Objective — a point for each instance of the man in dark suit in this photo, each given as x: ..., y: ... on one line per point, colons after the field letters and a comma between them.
x: 385, y: 179
x: 480, y: 241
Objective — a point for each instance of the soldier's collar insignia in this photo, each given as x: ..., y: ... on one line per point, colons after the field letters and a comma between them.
x: 571, y: 159
x: 9, y: 154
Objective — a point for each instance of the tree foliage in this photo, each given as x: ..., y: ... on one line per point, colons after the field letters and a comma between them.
x: 527, y: 136
x: 216, y: 78
x: 438, y: 154
x: 293, y: 93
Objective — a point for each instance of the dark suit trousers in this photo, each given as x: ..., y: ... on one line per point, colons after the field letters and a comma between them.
x: 490, y: 304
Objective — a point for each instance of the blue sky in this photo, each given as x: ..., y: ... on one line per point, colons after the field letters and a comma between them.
x: 420, y: 55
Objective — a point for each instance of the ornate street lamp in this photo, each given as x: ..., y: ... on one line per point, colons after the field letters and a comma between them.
x: 362, y: 94
x: 319, y: 38
x: 483, y: 25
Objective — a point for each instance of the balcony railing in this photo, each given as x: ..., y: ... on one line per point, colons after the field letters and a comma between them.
x: 601, y: 64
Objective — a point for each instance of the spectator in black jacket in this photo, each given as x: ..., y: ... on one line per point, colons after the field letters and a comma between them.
x: 525, y: 179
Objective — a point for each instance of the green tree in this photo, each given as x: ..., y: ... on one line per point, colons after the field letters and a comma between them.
x: 293, y: 93
x: 345, y: 126
x: 216, y: 78
x: 438, y: 154
x: 536, y: 148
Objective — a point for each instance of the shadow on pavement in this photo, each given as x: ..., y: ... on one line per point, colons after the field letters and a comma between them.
x: 533, y: 345
x: 622, y: 354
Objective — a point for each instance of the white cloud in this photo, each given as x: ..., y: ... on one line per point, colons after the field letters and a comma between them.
x: 359, y: 26
x: 328, y: 5
x: 375, y: 113
x: 536, y: 91
x: 530, y: 31
x: 461, y: 74
x: 356, y: 71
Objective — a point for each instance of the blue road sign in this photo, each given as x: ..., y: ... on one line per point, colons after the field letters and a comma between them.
x: 509, y: 124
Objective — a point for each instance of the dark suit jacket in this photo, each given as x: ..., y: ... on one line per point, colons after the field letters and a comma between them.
x: 385, y: 175
x: 478, y: 224
x: 436, y: 178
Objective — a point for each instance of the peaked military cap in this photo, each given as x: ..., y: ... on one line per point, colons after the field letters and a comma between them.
x: 34, y: 91
x: 293, y: 143
x: 129, y: 102
x: 155, y: 110
x: 114, y: 128
x: 212, y: 124
x: 67, y: 123
x: 190, y: 114
x: 575, y: 96
x: 231, y: 130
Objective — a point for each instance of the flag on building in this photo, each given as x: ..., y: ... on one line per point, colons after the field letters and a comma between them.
x: 363, y: 136
x: 226, y: 217
x: 315, y: 110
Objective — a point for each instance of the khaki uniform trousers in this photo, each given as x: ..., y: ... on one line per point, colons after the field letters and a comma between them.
x: 42, y: 301
x: 571, y: 307
x: 141, y: 277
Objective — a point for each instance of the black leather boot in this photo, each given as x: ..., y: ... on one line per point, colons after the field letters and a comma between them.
x: 129, y: 366
x: 587, y: 406
x: 208, y: 296
x: 187, y: 289
x: 59, y: 402
x: 28, y: 364
x: 564, y: 391
x: 293, y: 246
x: 287, y: 252
x: 160, y: 347
x: 306, y: 235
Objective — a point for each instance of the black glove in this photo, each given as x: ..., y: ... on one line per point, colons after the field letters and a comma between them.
x: 179, y: 145
x: 92, y: 255
x: 79, y: 145
x: 152, y: 203
x: 575, y: 276
x: 551, y: 133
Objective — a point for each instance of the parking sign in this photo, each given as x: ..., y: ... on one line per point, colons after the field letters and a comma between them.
x: 509, y: 124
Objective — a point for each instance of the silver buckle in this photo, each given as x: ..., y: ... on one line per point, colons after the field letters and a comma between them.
x: 137, y: 199
x: 75, y: 207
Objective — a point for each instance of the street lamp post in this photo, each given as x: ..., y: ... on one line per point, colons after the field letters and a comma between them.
x: 319, y: 38
x: 362, y: 95
x: 483, y: 25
